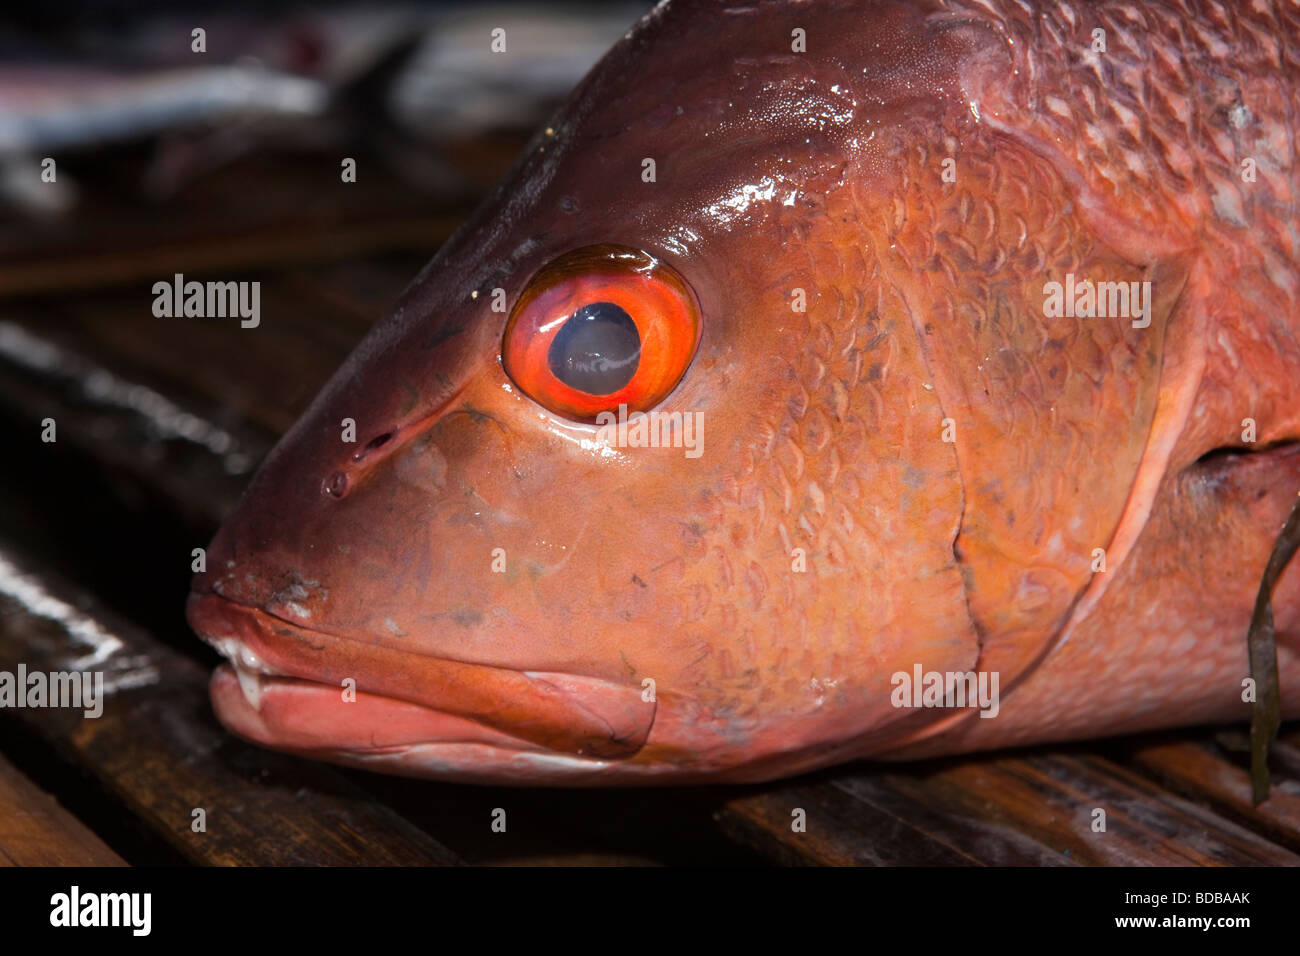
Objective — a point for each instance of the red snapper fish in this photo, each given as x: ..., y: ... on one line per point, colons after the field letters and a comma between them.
x: 828, y: 381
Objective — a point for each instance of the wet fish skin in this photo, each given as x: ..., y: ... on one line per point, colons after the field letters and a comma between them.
x: 821, y: 171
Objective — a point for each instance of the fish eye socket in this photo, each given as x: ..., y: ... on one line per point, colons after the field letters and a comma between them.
x: 599, y: 327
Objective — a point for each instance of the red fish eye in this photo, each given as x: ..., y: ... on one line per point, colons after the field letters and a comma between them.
x: 600, y: 327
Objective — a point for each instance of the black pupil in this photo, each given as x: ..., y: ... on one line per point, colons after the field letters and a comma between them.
x: 597, y: 349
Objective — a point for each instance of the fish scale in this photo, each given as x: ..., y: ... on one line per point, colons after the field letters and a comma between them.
x: 1065, y: 391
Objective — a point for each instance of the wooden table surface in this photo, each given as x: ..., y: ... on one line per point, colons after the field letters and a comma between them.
x: 160, y: 423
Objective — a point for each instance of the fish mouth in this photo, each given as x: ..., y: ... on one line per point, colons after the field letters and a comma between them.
x: 361, y: 703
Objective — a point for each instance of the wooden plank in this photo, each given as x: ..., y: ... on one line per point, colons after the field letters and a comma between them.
x: 549, y: 826
x: 259, y: 379
x: 999, y: 810
x: 95, y: 355
x: 884, y: 817
x: 158, y: 749
x: 129, y: 427
x: 293, y: 245
x: 36, y: 831
x: 261, y: 211
x: 187, y: 406
x: 1052, y: 797
x: 1215, y: 771
x: 844, y: 826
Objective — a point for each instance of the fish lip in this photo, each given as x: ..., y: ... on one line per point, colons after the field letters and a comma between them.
x: 478, y: 757
x: 570, y: 714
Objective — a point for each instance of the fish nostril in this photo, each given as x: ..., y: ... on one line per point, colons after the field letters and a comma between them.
x: 377, y: 442
x: 336, y: 485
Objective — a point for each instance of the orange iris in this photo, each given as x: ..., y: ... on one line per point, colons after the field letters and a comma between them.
x: 599, y: 327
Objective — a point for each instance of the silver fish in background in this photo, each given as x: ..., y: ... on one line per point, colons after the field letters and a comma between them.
x: 308, y: 78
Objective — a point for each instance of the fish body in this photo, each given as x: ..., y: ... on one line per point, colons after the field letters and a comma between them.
x: 866, y: 235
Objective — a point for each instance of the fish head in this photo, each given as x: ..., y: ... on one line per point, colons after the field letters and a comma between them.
x: 455, y: 566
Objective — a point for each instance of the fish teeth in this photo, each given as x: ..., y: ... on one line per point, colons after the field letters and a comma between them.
x: 249, y: 668
x: 235, y: 651
x: 250, y: 683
